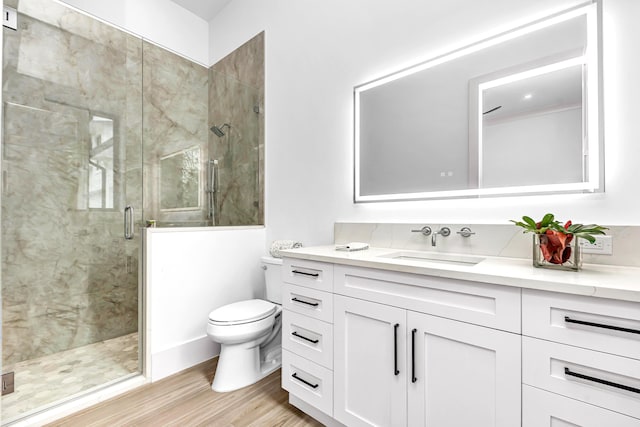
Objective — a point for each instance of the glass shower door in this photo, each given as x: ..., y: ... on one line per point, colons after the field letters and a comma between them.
x: 238, y: 149
x: 71, y: 164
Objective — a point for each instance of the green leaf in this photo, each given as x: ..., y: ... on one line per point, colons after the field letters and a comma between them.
x: 549, y: 223
x: 586, y: 236
x: 529, y: 221
x: 546, y: 220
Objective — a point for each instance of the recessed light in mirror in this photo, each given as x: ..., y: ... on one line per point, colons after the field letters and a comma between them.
x: 528, y: 96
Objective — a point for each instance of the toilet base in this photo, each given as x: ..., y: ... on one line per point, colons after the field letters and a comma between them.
x: 241, y: 365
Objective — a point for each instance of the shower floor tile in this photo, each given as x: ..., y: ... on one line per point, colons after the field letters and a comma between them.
x: 46, y: 380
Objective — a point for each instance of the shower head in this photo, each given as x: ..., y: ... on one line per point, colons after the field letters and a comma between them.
x: 219, y: 130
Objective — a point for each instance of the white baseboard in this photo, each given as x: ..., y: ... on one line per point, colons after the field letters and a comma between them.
x: 181, y: 357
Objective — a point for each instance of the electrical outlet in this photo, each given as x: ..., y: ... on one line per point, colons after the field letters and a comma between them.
x: 602, y: 246
x: 9, y: 17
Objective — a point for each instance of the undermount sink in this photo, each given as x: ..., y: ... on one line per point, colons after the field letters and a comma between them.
x: 434, y: 257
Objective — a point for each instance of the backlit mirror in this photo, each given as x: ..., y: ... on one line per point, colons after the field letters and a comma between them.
x: 515, y: 114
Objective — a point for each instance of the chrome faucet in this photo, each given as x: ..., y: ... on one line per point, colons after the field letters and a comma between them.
x: 445, y: 231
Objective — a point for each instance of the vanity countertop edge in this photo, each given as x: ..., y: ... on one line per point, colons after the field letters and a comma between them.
x: 598, y: 280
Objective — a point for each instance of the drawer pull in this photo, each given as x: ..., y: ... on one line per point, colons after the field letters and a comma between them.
x: 304, y: 381
x: 295, y: 334
x: 567, y: 371
x: 601, y: 325
x: 413, y: 355
x: 313, y: 304
x: 395, y: 349
x: 304, y: 273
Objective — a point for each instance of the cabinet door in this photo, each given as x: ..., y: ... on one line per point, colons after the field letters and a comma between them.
x: 461, y: 375
x: 370, y: 373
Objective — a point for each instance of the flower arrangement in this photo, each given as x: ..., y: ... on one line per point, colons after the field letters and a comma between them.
x: 554, y: 238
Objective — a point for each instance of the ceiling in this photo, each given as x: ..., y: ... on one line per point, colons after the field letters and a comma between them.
x: 206, y: 9
x: 547, y: 92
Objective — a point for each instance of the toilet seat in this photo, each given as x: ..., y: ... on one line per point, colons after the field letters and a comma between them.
x: 242, y: 312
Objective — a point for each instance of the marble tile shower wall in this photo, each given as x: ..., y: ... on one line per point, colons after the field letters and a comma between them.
x: 175, y: 96
x: 236, y: 97
x: 68, y: 276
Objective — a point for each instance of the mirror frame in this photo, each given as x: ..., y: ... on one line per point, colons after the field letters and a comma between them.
x: 594, y: 162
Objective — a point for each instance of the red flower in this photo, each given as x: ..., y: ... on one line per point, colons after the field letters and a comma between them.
x: 554, y: 246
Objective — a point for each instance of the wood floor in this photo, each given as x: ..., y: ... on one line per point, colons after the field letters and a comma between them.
x: 186, y: 399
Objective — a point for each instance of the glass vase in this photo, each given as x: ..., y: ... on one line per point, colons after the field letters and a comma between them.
x: 573, y: 263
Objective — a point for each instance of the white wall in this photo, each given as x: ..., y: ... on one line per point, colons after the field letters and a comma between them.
x: 162, y: 22
x: 316, y: 52
x: 557, y: 132
x: 191, y: 272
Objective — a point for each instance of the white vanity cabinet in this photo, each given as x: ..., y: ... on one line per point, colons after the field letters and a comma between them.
x: 399, y: 367
x: 366, y: 346
x: 580, y: 352
x: 307, y: 332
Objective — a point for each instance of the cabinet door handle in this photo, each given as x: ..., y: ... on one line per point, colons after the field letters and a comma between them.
x: 567, y: 371
x: 304, y: 381
x: 295, y: 334
x: 601, y: 325
x: 304, y: 273
x: 313, y: 304
x: 413, y: 355
x: 395, y: 349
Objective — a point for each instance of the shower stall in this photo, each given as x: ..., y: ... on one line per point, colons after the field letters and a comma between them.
x: 102, y: 133
x: 71, y: 184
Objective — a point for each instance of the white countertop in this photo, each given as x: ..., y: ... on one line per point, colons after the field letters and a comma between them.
x: 604, y: 281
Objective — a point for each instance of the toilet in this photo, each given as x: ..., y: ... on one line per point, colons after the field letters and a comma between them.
x: 249, y: 334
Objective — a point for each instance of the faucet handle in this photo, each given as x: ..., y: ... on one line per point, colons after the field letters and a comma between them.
x: 426, y: 230
x: 465, y: 232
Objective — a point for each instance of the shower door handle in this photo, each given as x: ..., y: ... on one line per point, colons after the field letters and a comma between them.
x: 128, y: 222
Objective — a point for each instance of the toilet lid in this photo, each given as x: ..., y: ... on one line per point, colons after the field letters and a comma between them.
x: 242, y: 312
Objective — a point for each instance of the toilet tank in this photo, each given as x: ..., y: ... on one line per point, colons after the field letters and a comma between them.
x: 273, y: 278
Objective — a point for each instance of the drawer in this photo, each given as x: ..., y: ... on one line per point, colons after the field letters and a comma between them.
x: 308, y: 337
x: 308, y: 381
x: 482, y: 304
x: 599, y: 324
x: 310, y: 302
x: 311, y: 274
x: 543, y: 409
x: 601, y: 379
